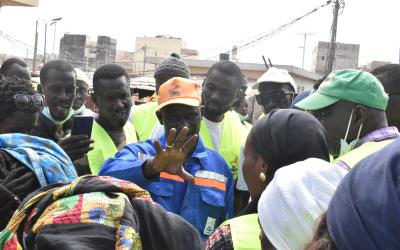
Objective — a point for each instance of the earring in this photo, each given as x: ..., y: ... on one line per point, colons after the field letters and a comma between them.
x: 263, y: 178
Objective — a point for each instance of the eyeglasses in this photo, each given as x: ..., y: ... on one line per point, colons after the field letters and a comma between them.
x: 276, y: 97
x: 29, y: 102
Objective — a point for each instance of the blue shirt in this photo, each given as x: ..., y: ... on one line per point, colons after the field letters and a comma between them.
x: 205, y: 204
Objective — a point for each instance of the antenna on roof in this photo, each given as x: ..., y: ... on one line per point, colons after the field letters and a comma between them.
x: 270, y: 64
x: 265, y: 62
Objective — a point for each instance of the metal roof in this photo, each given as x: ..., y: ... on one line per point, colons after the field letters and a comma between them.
x: 27, y: 3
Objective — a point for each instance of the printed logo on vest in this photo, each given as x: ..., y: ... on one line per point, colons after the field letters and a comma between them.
x: 210, y: 224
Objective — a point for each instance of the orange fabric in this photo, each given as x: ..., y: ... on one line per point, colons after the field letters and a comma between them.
x: 171, y: 177
x: 197, y: 181
x: 210, y: 183
x: 179, y: 90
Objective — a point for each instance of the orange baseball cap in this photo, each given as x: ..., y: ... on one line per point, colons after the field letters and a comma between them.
x: 179, y: 90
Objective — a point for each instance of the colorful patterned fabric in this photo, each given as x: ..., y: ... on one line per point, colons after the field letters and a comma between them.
x: 95, y: 213
x: 44, y: 157
x: 221, y: 238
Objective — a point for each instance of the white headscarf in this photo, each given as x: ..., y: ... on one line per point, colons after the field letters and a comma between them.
x: 291, y: 204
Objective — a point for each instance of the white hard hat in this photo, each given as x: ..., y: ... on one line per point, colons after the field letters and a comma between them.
x: 276, y: 75
x: 81, y: 76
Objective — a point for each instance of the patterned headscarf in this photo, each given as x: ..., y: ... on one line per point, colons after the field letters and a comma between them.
x: 96, y: 212
x: 44, y: 157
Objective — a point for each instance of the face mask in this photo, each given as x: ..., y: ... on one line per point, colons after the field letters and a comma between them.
x: 46, y: 112
x: 80, y: 110
x: 347, y: 147
x: 243, y: 117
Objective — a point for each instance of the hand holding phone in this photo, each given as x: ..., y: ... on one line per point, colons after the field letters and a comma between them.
x: 82, y: 125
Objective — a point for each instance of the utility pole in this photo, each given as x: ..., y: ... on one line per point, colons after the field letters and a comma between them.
x: 35, y: 49
x: 54, y: 21
x: 305, y: 34
x: 144, y: 58
x: 45, y: 43
x: 337, y: 5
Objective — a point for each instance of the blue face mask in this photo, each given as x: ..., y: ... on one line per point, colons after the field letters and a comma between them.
x: 80, y: 110
x: 347, y: 147
x: 46, y: 112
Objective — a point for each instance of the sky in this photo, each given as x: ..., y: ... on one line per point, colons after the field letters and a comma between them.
x: 211, y: 26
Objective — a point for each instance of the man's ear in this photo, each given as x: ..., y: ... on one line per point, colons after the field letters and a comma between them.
x: 158, y: 113
x: 360, y: 115
x: 94, y: 98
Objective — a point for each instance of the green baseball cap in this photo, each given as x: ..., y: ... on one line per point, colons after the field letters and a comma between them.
x: 352, y: 85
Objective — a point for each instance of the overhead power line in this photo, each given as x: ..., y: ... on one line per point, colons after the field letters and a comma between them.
x: 269, y: 34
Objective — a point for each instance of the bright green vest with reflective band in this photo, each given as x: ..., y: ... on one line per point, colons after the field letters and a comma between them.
x: 145, y: 119
x: 245, y: 232
x: 366, y: 149
x: 234, y: 134
x: 104, y: 147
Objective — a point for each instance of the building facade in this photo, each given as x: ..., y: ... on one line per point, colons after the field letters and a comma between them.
x: 73, y: 49
x: 160, y: 47
x: 83, y: 53
x: 346, y: 56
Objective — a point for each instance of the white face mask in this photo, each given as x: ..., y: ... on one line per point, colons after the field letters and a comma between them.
x: 347, y: 147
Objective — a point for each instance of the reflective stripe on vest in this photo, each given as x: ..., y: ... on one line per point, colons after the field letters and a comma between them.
x: 356, y: 155
x: 245, y: 232
x: 202, y: 178
x: 145, y: 119
x: 234, y: 134
x: 103, y: 146
x: 171, y: 177
x: 211, y: 175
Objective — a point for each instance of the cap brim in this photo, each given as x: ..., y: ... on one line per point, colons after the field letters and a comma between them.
x: 184, y: 101
x: 255, y: 86
x: 316, y: 101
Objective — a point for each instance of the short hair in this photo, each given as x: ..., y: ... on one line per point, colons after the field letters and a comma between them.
x: 10, y: 86
x: 9, y: 62
x: 58, y: 65
x: 388, y: 74
x: 108, y: 71
x: 229, y: 68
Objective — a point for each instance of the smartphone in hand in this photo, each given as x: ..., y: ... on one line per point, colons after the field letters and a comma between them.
x: 82, y: 125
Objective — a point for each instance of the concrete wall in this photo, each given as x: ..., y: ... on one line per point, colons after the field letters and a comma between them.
x: 346, y: 56
x: 155, y: 47
x: 73, y: 48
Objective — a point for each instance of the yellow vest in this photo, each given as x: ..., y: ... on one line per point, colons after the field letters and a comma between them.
x: 104, y: 147
x: 245, y: 232
x: 234, y: 134
x: 145, y: 119
x: 248, y: 126
x: 356, y: 155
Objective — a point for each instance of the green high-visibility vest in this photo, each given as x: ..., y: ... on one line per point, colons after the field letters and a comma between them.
x: 234, y: 134
x: 104, y: 147
x: 245, y: 232
x: 145, y: 119
x: 366, y: 149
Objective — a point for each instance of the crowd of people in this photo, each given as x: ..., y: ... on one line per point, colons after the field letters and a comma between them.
x: 190, y: 169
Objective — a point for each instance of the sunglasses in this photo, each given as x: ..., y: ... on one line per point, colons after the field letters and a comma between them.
x: 277, y: 97
x: 29, y: 102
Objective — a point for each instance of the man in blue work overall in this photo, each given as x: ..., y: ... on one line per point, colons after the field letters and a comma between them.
x: 180, y: 173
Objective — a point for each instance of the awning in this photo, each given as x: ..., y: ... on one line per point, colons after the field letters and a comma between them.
x: 27, y: 3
